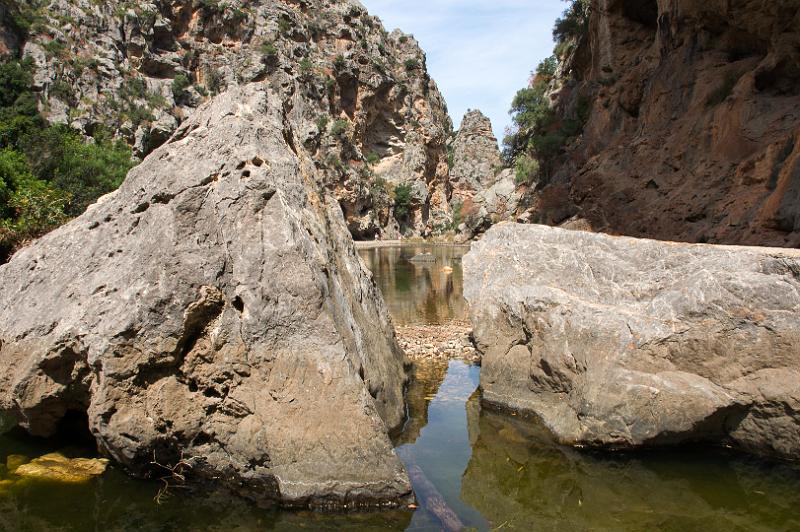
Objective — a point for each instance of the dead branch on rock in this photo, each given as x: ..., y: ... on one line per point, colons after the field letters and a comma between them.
x: 175, y: 477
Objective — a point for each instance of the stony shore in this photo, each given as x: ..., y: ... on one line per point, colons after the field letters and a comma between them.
x: 449, y: 340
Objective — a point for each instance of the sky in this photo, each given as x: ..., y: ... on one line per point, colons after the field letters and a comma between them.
x: 480, y: 52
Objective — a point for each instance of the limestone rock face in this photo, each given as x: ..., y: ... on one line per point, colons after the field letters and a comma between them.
x: 476, y: 156
x: 500, y: 202
x: 213, y: 310
x: 484, y: 193
x: 694, y: 131
x: 620, y: 342
x: 139, y: 69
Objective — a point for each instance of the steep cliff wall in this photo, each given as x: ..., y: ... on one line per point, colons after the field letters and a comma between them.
x: 694, y: 128
x: 139, y: 69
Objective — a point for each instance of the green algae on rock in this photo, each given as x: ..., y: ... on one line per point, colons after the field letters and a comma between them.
x: 55, y: 467
x: 13, y: 461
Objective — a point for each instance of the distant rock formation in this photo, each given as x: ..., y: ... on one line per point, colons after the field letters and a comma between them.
x: 484, y: 192
x: 618, y: 342
x: 475, y: 156
x: 213, y: 310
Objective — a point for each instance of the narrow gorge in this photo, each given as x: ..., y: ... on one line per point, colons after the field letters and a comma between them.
x: 254, y: 276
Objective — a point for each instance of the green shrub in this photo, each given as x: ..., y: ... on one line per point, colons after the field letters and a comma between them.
x: 539, y: 132
x: 322, y: 123
x: 215, y: 81
x: 49, y: 173
x: 574, y: 23
x: 379, y: 192
x: 340, y: 63
x: 306, y: 66
x: 179, y: 87
x: 339, y: 128
x: 402, y: 202
x: 29, y: 207
x: 547, y: 68
x: 373, y: 158
x: 411, y: 64
x: 284, y: 25
x: 269, y: 50
x: 458, y: 215
x: 527, y: 169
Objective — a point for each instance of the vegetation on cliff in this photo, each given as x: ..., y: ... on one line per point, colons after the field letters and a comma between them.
x: 541, y: 130
x: 48, y: 173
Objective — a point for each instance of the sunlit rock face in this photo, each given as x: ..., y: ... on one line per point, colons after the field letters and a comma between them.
x: 484, y: 191
x: 139, y: 69
x: 619, y: 342
x: 213, y: 310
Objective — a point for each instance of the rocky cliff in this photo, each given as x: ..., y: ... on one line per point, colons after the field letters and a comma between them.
x: 139, y: 69
x: 621, y: 342
x: 211, y: 315
x: 484, y: 191
x: 694, y: 128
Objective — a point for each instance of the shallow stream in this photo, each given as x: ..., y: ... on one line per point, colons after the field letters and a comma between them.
x: 474, y: 467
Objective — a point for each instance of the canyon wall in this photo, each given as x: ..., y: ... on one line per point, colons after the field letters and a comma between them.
x: 139, y: 69
x: 694, y: 128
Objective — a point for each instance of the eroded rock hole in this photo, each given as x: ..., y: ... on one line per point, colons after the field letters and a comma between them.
x: 642, y: 11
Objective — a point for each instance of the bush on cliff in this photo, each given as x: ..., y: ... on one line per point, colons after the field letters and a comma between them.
x: 542, y: 130
x: 47, y: 173
x: 402, y: 202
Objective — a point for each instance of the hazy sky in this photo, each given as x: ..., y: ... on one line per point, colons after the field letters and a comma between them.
x: 480, y: 52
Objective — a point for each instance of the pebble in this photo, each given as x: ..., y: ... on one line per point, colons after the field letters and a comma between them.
x: 440, y: 341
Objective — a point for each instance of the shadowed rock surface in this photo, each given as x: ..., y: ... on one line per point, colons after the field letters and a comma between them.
x: 213, y: 310
x: 694, y: 128
x: 619, y: 342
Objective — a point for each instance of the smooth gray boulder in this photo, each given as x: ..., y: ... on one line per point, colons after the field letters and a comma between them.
x: 214, y: 310
x: 621, y: 342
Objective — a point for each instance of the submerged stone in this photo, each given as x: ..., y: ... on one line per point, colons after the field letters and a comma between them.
x: 56, y: 467
x: 13, y: 461
x: 423, y: 257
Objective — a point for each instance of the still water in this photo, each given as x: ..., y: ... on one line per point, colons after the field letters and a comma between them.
x: 420, y: 292
x: 474, y: 467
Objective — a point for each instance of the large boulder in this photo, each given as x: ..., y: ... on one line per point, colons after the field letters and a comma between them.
x: 213, y: 312
x: 619, y: 342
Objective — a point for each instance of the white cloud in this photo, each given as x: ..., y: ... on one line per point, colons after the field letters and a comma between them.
x: 480, y: 52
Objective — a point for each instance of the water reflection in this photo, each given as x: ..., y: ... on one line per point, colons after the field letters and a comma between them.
x: 419, y: 292
x: 441, y: 452
x: 517, y: 478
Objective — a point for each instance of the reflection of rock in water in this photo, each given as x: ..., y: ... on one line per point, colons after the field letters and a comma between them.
x: 419, y: 292
x: 425, y: 379
x: 121, y: 503
x: 517, y: 476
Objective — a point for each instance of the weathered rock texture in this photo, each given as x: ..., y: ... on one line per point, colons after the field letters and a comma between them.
x: 213, y: 310
x: 620, y: 342
x: 139, y: 69
x: 694, y: 133
x: 484, y: 192
x: 475, y: 156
